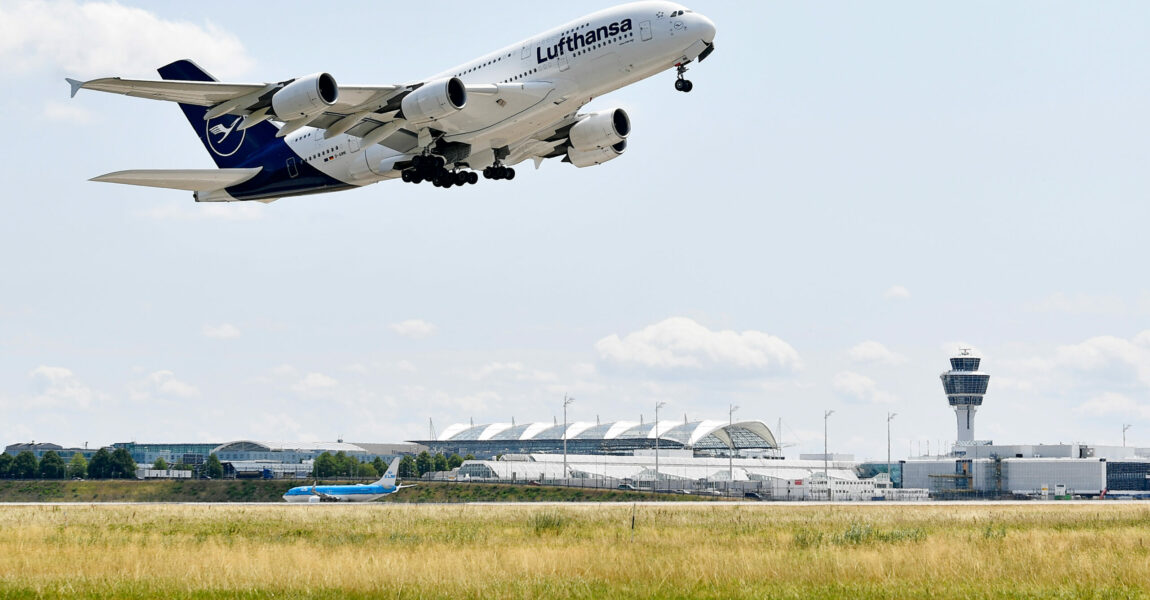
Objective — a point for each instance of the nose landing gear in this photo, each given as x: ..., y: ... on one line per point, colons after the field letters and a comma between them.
x: 683, y: 84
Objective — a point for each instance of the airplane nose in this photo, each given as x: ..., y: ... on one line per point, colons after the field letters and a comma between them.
x: 707, y: 27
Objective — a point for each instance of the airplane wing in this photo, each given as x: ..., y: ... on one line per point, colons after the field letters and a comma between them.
x: 374, y: 113
x: 195, y: 180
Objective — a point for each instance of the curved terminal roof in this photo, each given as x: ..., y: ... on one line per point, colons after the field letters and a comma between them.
x: 254, y: 446
x: 702, y: 434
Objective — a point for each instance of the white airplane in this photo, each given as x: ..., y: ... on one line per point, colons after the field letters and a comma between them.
x: 348, y: 493
x: 309, y: 135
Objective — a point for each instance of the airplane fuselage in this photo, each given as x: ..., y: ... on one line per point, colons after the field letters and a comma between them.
x: 569, y: 66
x: 337, y: 493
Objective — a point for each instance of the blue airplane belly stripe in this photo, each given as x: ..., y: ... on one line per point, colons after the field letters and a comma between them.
x: 276, y: 180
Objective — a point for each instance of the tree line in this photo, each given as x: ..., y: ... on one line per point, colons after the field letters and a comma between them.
x: 117, y: 464
x: 341, y: 464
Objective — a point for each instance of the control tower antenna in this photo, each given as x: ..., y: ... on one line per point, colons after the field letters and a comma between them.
x: 965, y: 386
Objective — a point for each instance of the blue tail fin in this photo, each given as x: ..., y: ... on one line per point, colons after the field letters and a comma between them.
x: 229, y: 146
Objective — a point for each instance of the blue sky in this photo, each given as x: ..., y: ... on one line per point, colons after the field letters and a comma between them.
x: 851, y: 193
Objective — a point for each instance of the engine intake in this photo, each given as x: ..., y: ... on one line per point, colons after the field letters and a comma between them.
x: 434, y: 100
x: 305, y: 97
x: 596, y: 156
x: 600, y: 130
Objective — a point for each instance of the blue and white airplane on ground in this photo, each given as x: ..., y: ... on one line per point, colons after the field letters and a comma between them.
x: 348, y: 493
x: 309, y: 135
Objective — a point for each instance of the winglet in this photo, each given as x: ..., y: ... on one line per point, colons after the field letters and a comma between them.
x: 76, y: 85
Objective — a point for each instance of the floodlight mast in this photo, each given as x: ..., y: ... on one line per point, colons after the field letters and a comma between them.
x: 826, y: 457
x: 889, y: 417
x: 731, y: 455
x: 657, y: 407
x: 566, y: 402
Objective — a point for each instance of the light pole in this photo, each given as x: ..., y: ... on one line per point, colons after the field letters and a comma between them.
x: 731, y: 455
x: 657, y: 407
x: 566, y: 402
x: 826, y: 475
x: 889, y: 417
x: 1125, y: 428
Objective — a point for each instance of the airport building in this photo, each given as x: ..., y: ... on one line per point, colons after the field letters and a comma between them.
x: 980, y: 468
x: 618, y: 438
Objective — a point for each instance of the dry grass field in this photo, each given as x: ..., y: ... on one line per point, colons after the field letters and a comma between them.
x: 578, y: 551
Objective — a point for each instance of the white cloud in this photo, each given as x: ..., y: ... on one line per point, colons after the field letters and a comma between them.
x: 205, y: 211
x: 67, y: 112
x: 225, y: 331
x: 59, y: 387
x: 105, y: 38
x: 1113, y: 404
x: 415, y: 329
x: 860, y: 387
x: 680, y: 343
x: 405, y: 366
x: 873, y: 352
x: 516, y: 371
x: 315, y: 382
x: 896, y: 292
x: 161, y: 384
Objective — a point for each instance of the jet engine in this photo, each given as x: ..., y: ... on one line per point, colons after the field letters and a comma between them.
x: 596, y: 156
x: 600, y: 130
x: 305, y: 97
x: 434, y: 100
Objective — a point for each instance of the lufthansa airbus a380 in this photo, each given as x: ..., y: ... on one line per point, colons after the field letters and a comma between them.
x: 310, y: 135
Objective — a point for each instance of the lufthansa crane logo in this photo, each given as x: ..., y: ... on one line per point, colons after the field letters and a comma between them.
x: 224, y: 135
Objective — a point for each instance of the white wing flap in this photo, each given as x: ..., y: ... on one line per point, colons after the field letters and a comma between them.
x: 195, y: 180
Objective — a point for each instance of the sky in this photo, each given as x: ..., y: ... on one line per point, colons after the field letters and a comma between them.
x: 852, y: 192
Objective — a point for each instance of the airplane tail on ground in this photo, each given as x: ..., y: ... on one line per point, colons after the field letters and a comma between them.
x: 230, y: 146
x: 388, y: 479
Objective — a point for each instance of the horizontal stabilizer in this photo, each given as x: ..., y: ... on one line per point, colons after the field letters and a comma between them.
x: 195, y: 180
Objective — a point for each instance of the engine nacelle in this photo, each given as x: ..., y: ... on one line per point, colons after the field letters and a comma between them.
x: 434, y: 100
x: 305, y: 97
x: 600, y: 130
x: 597, y: 156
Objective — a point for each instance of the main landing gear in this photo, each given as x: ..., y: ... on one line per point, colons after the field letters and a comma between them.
x: 682, y: 84
x: 434, y: 169
x: 499, y: 172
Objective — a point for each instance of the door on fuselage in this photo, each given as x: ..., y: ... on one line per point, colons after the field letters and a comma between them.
x: 645, y: 31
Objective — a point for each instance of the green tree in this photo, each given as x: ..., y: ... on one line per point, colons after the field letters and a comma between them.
x: 366, y: 470
x: 379, y: 465
x: 407, y: 467
x: 423, y: 463
x: 454, y: 461
x: 123, y: 467
x: 213, y: 468
x: 160, y: 464
x: 78, y: 466
x: 100, y: 467
x: 324, y: 466
x: 439, y: 462
x: 24, y: 467
x: 51, y: 466
x: 469, y: 456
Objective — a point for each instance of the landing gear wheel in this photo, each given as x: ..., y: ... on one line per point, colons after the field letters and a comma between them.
x: 406, y: 176
x: 460, y: 178
x: 472, y: 178
x: 510, y: 174
x: 682, y: 84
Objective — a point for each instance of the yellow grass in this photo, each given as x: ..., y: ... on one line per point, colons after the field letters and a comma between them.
x: 580, y: 551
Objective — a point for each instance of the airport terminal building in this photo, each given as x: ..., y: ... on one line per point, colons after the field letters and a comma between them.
x: 618, y: 438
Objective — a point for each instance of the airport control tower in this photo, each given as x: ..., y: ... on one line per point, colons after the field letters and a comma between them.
x: 965, y: 386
